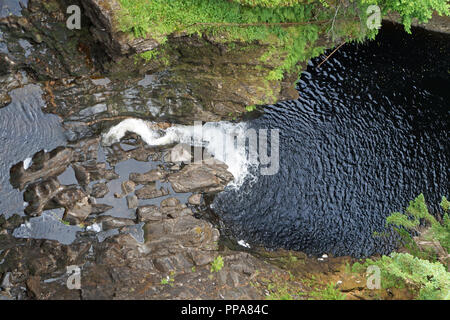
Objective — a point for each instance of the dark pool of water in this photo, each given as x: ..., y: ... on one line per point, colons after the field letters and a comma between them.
x: 368, y: 134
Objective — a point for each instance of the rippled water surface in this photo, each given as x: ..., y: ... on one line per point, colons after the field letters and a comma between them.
x: 12, y: 7
x: 368, y: 134
x: 24, y: 130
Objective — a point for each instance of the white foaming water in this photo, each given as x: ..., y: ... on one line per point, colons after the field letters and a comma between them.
x: 218, y: 138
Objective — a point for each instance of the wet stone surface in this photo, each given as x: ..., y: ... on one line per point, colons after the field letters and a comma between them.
x: 102, y: 222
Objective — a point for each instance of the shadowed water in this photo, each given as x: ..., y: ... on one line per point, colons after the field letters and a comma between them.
x: 368, y: 134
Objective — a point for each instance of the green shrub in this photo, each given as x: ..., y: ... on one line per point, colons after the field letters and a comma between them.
x: 430, y: 280
x: 417, y: 270
x: 415, y: 215
x: 412, y: 9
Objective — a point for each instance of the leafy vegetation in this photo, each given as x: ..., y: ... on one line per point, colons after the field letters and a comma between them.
x: 217, y: 264
x: 430, y: 280
x: 417, y: 270
x: 169, y: 280
x: 250, y: 108
x: 290, y: 27
x: 422, y: 10
x: 290, y: 33
x: 415, y: 216
x: 271, y: 3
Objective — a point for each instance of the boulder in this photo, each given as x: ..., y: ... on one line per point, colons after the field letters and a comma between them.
x: 181, y: 153
x: 93, y: 171
x: 128, y: 187
x: 109, y: 222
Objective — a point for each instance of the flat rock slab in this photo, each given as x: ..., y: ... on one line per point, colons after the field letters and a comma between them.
x: 151, y: 192
x: 148, y: 177
x: 207, y: 176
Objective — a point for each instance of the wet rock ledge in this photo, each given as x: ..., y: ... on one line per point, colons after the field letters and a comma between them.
x: 96, y: 73
x: 160, y: 250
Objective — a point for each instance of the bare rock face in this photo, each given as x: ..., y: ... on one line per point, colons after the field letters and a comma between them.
x: 206, y: 79
x: 105, y: 31
x: 44, y: 165
x: 151, y: 192
x: 437, y: 23
x: 207, y: 176
x: 171, y: 238
x: 109, y: 223
x: 169, y: 208
x: 149, y: 213
x: 145, y: 178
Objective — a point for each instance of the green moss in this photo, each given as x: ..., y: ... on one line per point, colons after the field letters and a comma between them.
x: 149, y: 55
